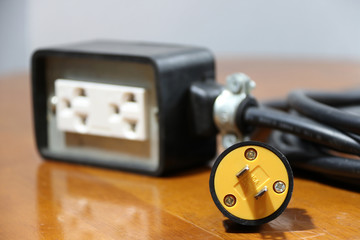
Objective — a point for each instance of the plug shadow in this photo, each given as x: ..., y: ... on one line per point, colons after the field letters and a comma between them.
x: 292, y: 219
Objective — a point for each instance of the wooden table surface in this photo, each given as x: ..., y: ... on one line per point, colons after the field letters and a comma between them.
x: 52, y: 200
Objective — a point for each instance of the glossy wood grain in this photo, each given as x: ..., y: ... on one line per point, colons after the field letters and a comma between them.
x: 53, y: 200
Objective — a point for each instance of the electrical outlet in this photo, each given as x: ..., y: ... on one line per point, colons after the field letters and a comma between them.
x: 101, y: 109
x: 120, y: 105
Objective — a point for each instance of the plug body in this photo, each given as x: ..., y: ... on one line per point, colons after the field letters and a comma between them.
x: 120, y: 105
x: 251, y: 183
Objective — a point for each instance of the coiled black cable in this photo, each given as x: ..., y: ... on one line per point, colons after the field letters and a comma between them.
x: 314, y: 128
x: 309, y: 105
x: 303, y: 127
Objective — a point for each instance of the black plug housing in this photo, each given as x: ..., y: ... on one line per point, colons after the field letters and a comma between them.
x: 165, y: 71
x: 202, y: 99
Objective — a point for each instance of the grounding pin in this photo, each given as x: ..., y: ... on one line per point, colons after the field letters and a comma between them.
x: 261, y: 193
x: 242, y: 171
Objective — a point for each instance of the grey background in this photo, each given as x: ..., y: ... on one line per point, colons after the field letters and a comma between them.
x: 14, y: 40
x: 308, y: 29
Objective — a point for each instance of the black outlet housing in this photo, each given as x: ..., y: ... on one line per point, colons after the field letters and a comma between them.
x: 166, y: 70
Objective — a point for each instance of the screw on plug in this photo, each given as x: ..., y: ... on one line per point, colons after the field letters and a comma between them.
x: 229, y: 200
x: 250, y: 154
x: 279, y: 186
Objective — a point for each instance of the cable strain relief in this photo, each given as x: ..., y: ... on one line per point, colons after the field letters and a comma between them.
x: 201, y: 106
x: 243, y: 127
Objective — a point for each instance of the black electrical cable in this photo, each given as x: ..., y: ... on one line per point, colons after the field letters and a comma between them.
x: 303, y: 127
x: 312, y: 125
x: 314, y: 158
x: 308, y: 106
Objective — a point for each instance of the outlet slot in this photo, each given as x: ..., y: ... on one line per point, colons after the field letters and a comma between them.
x: 67, y: 103
x: 115, y: 108
x: 130, y: 97
x: 80, y: 92
x: 83, y: 118
x: 133, y: 126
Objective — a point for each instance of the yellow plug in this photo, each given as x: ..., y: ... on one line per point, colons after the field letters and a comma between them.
x: 251, y: 183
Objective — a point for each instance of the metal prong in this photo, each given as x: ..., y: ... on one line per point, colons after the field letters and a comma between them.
x: 261, y: 193
x: 242, y: 171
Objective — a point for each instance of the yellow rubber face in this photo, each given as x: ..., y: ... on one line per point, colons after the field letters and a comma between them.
x: 244, y: 182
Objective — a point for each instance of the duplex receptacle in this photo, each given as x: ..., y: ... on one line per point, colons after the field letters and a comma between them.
x: 101, y: 109
x: 120, y: 105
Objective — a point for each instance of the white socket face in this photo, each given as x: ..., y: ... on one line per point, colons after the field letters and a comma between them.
x: 101, y: 109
